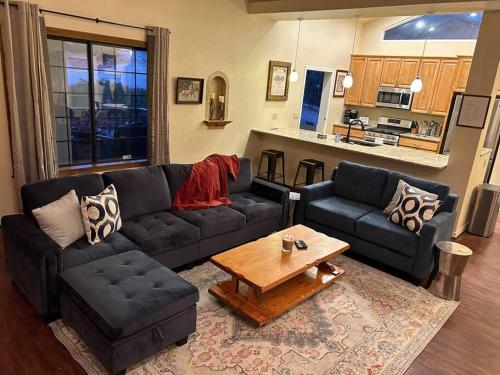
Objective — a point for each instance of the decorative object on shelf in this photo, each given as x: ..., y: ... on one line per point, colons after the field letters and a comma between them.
x: 213, y: 107
x: 294, y: 76
x: 278, y: 80
x: 339, y: 89
x: 216, y: 109
x: 189, y: 90
x: 220, y: 108
x: 473, y: 111
x: 348, y: 81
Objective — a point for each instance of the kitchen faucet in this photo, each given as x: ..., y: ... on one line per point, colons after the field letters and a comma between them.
x: 353, y: 122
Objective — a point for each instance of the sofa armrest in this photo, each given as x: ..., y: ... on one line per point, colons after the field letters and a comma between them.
x: 275, y: 193
x: 32, y: 258
x: 311, y: 193
x: 439, y: 228
x: 450, y: 204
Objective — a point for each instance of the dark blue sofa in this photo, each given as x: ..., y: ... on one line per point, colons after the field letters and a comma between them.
x: 350, y: 207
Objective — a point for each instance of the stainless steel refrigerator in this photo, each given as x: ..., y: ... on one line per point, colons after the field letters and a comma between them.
x: 491, y: 141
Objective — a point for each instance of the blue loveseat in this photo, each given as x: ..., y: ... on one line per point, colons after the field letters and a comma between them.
x: 350, y: 207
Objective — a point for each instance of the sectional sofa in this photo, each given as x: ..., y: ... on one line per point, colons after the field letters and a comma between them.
x: 173, y: 238
x: 350, y: 207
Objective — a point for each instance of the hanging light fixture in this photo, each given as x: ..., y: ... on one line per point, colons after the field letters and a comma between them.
x: 348, y: 81
x: 417, y: 84
x: 294, y: 76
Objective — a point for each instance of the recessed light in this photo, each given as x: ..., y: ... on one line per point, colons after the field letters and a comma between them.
x: 420, y: 24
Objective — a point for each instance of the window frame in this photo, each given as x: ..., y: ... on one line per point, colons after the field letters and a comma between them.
x: 92, y: 39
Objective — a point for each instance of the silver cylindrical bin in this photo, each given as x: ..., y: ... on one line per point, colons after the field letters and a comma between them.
x: 485, y: 210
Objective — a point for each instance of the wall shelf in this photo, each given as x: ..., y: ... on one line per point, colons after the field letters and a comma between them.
x: 216, y: 123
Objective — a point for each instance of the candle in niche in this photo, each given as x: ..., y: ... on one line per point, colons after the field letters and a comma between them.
x: 220, y: 108
x: 221, y: 99
x: 212, y: 95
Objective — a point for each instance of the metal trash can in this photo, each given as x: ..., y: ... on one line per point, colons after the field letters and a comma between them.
x: 485, y: 211
x: 453, y: 258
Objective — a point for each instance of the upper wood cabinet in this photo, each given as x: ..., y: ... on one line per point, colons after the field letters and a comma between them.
x: 443, y: 90
x: 463, y: 73
x: 408, y: 71
x: 357, y: 69
x: 371, y: 81
x: 390, y: 71
x: 429, y: 69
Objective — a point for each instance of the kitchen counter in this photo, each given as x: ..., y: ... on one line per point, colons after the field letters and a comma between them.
x: 354, y: 126
x: 402, y: 154
x: 422, y: 137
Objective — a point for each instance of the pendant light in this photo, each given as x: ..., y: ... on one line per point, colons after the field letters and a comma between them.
x: 348, y: 81
x: 417, y: 84
x: 294, y: 76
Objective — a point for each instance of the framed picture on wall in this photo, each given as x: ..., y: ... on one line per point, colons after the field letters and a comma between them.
x: 473, y: 111
x: 189, y: 90
x: 339, y: 89
x: 278, y: 80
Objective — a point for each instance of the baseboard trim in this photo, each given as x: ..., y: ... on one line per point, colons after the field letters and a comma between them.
x: 458, y: 232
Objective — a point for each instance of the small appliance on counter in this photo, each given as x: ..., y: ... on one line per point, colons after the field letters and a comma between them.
x: 394, y: 97
x: 388, y: 130
x: 349, y: 115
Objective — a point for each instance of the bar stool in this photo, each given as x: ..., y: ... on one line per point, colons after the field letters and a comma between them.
x: 311, y: 166
x: 273, y: 156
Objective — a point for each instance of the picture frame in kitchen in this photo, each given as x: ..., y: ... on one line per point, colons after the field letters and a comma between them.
x: 473, y: 111
x: 278, y: 80
x: 189, y: 90
x: 339, y: 89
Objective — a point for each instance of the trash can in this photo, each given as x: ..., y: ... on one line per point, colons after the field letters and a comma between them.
x: 294, y: 199
x: 485, y: 210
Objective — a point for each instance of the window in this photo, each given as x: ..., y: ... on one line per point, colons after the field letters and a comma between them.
x: 100, y: 101
x: 317, y: 89
x: 437, y: 26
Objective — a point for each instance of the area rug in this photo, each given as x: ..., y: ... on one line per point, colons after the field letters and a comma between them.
x: 366, y: 323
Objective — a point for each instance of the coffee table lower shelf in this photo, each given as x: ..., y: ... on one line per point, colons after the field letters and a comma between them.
x: 260, y: 308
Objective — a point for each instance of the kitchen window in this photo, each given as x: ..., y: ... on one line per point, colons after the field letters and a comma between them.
x: 99, y: 95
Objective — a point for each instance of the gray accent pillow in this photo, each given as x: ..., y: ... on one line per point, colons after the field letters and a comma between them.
x: 101, y: 215
x: 401, y: 185
x: 61, y: 220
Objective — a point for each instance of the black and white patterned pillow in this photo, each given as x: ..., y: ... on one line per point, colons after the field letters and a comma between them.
x: 101, y: 215
x: 413, y: 209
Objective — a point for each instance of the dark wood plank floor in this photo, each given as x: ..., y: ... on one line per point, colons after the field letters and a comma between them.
x: 468, y: 343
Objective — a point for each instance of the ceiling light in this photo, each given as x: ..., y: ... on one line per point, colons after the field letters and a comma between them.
x: 473, y: 14
x: 417, y: 84
x: 431, y: 29
x: 348, y: 80
x: 294, y: 76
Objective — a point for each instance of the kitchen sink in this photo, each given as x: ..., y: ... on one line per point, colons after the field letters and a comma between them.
x: 363, y: 143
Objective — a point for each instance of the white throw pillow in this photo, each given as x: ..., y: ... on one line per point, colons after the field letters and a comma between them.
x: 401, y: 185
x: 61, y: 220
x: 101, y: 215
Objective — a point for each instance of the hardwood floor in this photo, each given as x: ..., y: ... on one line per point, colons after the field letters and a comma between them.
x: 469, y: 342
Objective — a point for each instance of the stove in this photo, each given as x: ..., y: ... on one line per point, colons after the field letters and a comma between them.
x: 388, y: 130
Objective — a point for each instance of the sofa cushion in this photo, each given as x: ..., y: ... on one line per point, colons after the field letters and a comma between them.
x: 41, y: 193
x: 176, y: 175
x: 338, y: 213
x: 140, y: 191
x: 361, y: 183
x: 160, y: 232
x: 254, y: 207
x: 127, y: 293
x: 244, y: 178
x: 81, y: 252
x: 375, y: 228
x: 214, y: 220
x: 393, y: 178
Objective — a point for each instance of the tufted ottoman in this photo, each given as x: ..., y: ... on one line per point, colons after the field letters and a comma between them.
x: 127, y: 307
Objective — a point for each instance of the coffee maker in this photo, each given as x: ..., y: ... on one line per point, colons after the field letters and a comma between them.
x: 349, y: 115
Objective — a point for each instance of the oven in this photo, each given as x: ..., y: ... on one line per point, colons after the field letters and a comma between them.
x: 394, y: 97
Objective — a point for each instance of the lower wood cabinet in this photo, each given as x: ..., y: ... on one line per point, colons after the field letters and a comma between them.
x: 355, y: 133
x: 418, y: 143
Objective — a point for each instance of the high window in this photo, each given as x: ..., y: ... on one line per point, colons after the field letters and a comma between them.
x: 100, y: 101
x: 438, y: 27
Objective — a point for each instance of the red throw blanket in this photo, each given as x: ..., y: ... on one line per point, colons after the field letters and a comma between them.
x: 206, y: 186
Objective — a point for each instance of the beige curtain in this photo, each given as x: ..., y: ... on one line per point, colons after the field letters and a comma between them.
x: 31, y: 120
x: 157, y: 45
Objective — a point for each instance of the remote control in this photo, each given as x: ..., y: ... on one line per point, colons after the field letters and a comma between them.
x: 301, y: 245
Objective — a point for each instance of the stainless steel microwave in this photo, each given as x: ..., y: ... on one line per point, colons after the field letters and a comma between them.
x: 394, y: 97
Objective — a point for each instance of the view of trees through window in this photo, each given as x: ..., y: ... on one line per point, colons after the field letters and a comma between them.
x: 100, y: 101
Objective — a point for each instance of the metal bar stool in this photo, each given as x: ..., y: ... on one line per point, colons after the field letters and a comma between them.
x: 273, y: 156
x: 311, y: 166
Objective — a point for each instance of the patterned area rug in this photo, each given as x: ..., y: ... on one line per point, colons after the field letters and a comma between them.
x: 368, y: 322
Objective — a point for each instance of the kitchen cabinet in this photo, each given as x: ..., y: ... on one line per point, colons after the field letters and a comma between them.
x: 408, y: 71
x: 371, y: 81
x: 429, y: 70
x: 390, y: 71
x: 463, y: 73
x: 342, y: 130
x: 418, y: 143
x: 443, y: 90
x: 357, y: 69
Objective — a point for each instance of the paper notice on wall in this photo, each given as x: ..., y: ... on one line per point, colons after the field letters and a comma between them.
x: 473, y: 111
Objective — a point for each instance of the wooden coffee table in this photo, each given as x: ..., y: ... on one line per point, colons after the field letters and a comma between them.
x: 266, y: 282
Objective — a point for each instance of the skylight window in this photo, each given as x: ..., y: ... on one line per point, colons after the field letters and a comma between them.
x: 463, y: 26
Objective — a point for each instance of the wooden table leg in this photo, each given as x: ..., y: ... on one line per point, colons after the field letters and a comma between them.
x: 251, y: 295
x: 234, y: 284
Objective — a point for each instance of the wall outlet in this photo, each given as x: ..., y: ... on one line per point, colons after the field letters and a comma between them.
x: 275, y: 116
x: 295, y: 115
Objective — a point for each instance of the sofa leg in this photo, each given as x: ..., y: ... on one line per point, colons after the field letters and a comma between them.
x: 182, y: 341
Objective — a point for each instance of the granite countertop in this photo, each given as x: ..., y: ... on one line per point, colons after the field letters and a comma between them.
x: 427, y: 138
x: 403, y: 154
